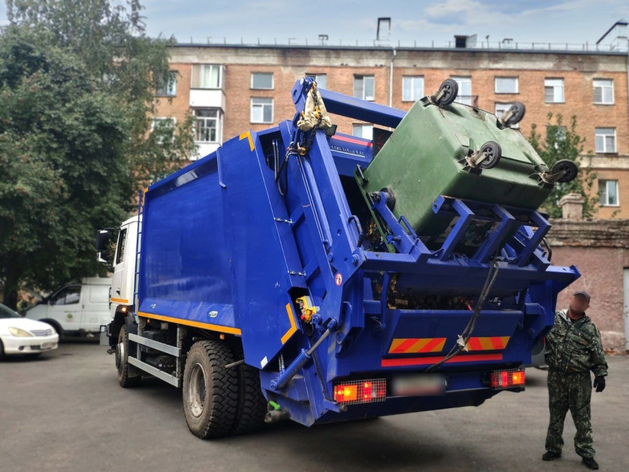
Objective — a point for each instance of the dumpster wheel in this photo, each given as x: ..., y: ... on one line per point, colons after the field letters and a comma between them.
x: 493, y: 153
x: 568, y: 168
x: 448, y: 90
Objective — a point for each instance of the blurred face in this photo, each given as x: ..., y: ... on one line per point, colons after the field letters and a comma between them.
x: 578, y: 304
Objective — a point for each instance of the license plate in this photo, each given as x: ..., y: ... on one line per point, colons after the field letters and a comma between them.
x: 47, y: 345
x: 418, y: 385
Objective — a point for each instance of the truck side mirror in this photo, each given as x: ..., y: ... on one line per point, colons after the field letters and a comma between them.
x: 102, y: 240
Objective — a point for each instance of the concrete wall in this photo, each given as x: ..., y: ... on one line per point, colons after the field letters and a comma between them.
x: 600, y: 250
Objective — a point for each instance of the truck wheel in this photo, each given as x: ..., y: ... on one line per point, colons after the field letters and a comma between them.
x: 210, y: 392
x: 122, y: 361
x: 252, y: 405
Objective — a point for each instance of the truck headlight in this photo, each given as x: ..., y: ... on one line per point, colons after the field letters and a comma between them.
x: 19, y: 333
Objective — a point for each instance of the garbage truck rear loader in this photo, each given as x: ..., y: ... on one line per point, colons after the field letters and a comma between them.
x: 300, y: 273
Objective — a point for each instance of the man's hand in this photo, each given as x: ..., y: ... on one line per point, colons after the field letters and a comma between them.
x: 599, y: 384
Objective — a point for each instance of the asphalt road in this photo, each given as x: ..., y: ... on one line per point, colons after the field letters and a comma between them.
x: 66, y: 412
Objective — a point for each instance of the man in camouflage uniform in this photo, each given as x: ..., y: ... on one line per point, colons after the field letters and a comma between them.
x: 573, y: 349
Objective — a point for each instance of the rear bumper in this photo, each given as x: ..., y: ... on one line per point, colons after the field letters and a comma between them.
x: 30, y: 345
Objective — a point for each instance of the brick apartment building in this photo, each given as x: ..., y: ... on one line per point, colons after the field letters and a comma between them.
x: 233, y: 88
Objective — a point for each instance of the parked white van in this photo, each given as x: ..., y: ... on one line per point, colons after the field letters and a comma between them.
x: 76, y: 308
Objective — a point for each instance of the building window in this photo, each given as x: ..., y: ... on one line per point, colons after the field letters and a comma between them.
x: 207, y: 76
x: 412, y: 88
x: 320, y: 79
x: 362, y: 130
x: 603, y: 91
x: 465, y: 90
x: 605, y: 140
x: 553, y: 91
x: 501, y: 108
x: 262, y: 80
x: 608, y: 191
x: 506, y: 85
x: 262, y: 110
x: 167, y: 84
x: 365, y: 87
x: 207, y: 126
x: 165, y: 129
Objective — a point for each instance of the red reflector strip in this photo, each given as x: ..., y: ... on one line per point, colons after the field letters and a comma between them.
x: 433, y: 360
x: 352, y: 140
x: 507, y: 378
x: 360, y: 391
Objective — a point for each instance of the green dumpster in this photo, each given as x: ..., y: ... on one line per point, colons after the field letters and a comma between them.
x: 425, y: 157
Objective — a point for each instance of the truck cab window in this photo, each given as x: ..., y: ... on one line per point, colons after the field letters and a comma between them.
x: 122, y: 238
x: 67, y: 296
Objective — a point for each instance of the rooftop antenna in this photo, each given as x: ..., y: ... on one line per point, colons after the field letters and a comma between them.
x: 324, y: 39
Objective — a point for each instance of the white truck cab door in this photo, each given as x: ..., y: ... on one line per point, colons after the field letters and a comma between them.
x: 64, y: 307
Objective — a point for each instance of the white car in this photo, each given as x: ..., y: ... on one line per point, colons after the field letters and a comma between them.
x: 23, y: 336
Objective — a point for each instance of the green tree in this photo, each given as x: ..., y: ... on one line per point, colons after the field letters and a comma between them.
x: 77, y: 84
x: 562, y: 142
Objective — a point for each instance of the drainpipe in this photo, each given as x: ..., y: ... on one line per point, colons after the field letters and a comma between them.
x: 391, y: 78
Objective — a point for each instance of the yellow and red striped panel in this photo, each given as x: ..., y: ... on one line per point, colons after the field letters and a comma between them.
x: 416, y: 345
x: 492, y: 343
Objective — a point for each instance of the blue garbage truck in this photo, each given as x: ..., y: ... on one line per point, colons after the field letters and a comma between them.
x: 299, y: 273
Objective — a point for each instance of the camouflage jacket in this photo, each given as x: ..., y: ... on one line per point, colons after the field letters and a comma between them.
x: 574, y: 347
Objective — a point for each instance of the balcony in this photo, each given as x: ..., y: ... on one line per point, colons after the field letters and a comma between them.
x: 207, y: 98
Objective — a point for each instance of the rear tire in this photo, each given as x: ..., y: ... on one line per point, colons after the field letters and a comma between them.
x: 210, y: 392
x: 252, y: 405
x: 122, y: 361
x: 1, y: 350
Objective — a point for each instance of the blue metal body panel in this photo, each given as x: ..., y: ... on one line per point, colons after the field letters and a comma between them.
x: 231, y: 242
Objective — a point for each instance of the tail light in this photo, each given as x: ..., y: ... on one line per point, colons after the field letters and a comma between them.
x: 507, y: 378
x: 360, y: 391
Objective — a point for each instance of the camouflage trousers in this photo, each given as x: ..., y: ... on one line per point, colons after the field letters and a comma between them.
x: 570, y: 392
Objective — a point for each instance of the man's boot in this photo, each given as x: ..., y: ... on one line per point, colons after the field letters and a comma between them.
x: 551, y: 456
x: 590, y: 463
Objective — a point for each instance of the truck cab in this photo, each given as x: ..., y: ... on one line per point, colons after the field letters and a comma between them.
x: 76, y: 308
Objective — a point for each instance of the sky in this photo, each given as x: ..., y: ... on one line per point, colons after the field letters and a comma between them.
x: 420, y: 21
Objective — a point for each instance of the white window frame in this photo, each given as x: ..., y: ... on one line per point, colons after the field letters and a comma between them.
x: 604, y: 193
x: 504, y: 107
x: 251, y: 106
x: 603, y: 87
x: 164, y: 118
x: 517, y: 85
x: 253, y: 74
x: 170, y: 88
x: 317, y: 79
x: 364, y: 96
x: 196, y: 71
x: 469, y: 98
x: 413, y: 78
x: 362, y: 127
x: 548, y: 82
x: 604, y: 149
x: 219, y: 124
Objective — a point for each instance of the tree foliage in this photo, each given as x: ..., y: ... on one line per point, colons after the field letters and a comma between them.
x: 563, y: 142
x: 77, y: 84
